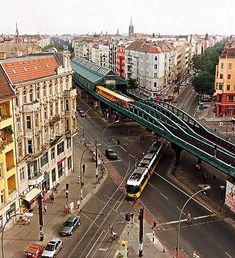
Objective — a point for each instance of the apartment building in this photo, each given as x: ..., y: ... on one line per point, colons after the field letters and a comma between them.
x: 151, y: 64
x: 121, y: 48
x: 45, y: 119
x: 225, y: 82
x: 8, y: 174
x: 113, y: 56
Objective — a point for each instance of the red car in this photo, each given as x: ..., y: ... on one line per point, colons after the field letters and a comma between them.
x: 82, y: 113
x: 33, y: 251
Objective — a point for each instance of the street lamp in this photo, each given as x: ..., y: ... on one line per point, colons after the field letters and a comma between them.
x: 80, y: 174
x: 102, y: 138
x: 27, y: 214
x: 181, y: 212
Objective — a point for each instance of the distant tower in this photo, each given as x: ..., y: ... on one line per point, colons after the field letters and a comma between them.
x: 17, y: 35
x: 117, y: 32
x: 131, y: 29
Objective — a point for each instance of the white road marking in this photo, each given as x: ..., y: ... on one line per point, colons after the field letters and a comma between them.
x: 151, y: 185
x: 183, y: 191
x: 164, y: 196
x: 228, y: 255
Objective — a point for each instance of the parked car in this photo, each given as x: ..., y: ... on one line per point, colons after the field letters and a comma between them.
x: 169, y: 98
x: 111, y: 154
x: 33, y: 251
x: 52, y: 248
x: 69, y: 225
x: 82, y: 113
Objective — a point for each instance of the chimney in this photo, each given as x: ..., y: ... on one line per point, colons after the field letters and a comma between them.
x: 3, y: 55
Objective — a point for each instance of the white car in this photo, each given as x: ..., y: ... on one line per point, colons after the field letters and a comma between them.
x: 52, y: 248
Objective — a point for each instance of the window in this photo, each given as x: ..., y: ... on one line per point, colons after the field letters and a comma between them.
x: 18, y: 124
x: 44, y: 91
x: 44, y: 159
x: 155, y: 58
x: 56, y: 108
x: 69, y: 162
x: 228, y: 87
x: 28, y: 122
x: 38, y: 93
x: 20, y: 150
x: 45, y: 113
x: 22, y: 174
x: 30, y: 147
x: 67, y: 125
x: 230, y: 66
x: 220, y: 86
x: 229, y: 76
x: 24, y: 97
x: 222, y: 65
x: 37, y: 143
x: 155, y: 66
x: 51, y: 110
x: 66, y: 105
x: 68, y: 143
x: 60, y: 148
x: 50, y: 89
x: 155, y: 84
x: 32, y: 169
x: 53, y: 175
x: 230, y: 98
x: 52, y: 153
x: 31, y: 95
x: 60, y: 170
x: 36, y: 119
x: 0, y: 169
x: 62, y: 106
x: 2, y: 197
x: 221, y: 76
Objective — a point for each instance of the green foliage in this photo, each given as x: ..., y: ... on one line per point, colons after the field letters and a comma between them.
x: 205, y: 65
x: 119, y: 255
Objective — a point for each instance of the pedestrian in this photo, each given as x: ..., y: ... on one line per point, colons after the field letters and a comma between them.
x: 83, y: 168
x: 97, y: 175
x: 81, y: 196
x: 67, y: 195
x: 78, y: 203
x: 45, y: 208
x: 67, y: 186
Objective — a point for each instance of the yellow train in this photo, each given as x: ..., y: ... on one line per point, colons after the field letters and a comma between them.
x: 114, y: 96
x: 139, y: 178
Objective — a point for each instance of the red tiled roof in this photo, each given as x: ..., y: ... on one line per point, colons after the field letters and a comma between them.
x: 5, y: 89
x: 144, y: 47
x: 27, y: 69
x: 228, y: 53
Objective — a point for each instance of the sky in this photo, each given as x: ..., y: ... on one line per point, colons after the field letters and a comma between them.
x: 94, y: 16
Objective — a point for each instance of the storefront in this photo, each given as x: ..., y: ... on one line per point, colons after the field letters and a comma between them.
x: 29, y: 199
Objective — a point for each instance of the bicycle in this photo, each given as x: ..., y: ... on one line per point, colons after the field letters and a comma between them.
x: 113, y: 237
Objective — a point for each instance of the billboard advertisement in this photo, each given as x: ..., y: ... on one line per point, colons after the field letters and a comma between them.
x: 230, y: 196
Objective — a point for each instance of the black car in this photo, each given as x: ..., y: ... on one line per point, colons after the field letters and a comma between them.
x: 111, y: 154
x: 69, y: 225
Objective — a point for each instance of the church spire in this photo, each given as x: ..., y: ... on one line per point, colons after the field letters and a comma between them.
x: 131, y: 28
x: 17, y: 34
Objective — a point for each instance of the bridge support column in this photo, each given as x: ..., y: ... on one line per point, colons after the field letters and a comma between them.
x: 177, y: 150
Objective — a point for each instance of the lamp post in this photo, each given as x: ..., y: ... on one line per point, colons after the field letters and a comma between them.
x: 102, y: 138
x: 27, y: 214
x: 80, y: 174
x: 181, y: 212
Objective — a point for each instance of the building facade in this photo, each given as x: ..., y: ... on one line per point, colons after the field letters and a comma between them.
x: 45, y: 118
x: 8, y: 175
x: 121, y: 60
x: 225, y: 82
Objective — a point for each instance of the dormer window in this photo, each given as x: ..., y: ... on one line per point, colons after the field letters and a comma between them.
x: 25, y: 69
x: 14, y: 71
x: 47, y: 65
x: 35, y: 68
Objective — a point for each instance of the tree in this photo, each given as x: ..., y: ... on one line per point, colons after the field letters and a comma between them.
x: 132, y: 84
x: 204, y: 82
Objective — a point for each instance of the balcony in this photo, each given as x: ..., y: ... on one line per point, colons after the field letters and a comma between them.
x: 54, y: 119
x: 70, y: 93
x: 36, y: 179
x: 31, y: 107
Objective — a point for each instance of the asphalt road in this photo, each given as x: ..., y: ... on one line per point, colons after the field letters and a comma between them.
x: 208, y: 235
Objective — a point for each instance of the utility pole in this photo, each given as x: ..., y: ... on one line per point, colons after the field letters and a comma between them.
x: 141, y: 231
x: 41, y: 231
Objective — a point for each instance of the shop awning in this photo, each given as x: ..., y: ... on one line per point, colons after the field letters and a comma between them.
x: 31, y: 194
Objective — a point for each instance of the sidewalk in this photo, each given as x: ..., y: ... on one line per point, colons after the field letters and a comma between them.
x: 18, y: 237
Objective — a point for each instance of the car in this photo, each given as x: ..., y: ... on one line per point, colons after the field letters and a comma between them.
x: 111, y: 154
x: 52, y: 248
x: 82, y: 113
x: 169, y: 98
x: 33, y: 251
x: 69, y: 225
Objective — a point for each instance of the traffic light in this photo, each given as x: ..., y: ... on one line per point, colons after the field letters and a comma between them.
x: 128, y: 216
